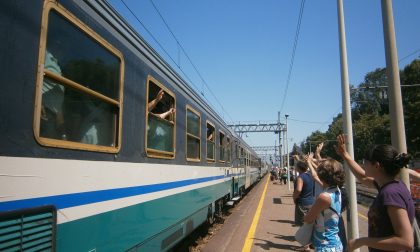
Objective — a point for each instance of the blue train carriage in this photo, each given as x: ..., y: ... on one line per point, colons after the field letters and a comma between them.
x: 104, y: 147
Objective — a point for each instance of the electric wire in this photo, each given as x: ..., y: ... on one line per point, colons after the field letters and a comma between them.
x: 189, y: 59
x: 172, y: 59
x: 302, y: 6
x: 418, y: 50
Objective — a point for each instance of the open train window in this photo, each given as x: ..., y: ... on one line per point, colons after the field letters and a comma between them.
x: 160, y: 119
x: 222, y: 145
x: 193, y: 135
x: 210, y: 142
x: 79, y: 86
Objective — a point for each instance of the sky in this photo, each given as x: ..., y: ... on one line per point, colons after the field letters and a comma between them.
x: 242, y: 50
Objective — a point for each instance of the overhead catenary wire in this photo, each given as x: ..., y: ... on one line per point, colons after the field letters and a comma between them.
x: 189, y: 59
x: 163, y: 49
x: 411, y: 54
x: 295, y: 43
x: 172, y: 59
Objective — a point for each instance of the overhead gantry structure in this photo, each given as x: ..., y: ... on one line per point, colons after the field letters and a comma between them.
x: 277, y: 128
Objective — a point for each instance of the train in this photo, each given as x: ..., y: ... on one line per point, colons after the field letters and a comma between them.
x: 104, y: 146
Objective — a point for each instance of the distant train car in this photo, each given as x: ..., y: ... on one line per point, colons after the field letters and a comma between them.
x: 104, y: 147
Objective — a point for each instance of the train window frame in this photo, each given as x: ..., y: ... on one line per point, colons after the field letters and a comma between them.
x: 229, y: 149
x: 150, y: 152
x: 222, y: 146
x: 187, y: 134
x: 212, y: 140
x: 42, y: 72
x: 242, y: 159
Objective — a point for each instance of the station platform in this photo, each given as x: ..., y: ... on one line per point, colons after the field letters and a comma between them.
x: 262, y: 221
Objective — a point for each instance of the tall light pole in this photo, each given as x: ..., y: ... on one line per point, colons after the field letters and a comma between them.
x: 287, y: 155
x: 281, y: 158
x: 394, y: 92
x: 394, y: 86
x: 347, y: 126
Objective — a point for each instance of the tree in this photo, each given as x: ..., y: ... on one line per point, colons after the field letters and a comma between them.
x: 367, y: 98
x: 370, y: 114
x: 411, y: 103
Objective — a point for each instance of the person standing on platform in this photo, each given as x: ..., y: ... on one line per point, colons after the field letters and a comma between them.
x: 326, y: 210
x: 303, y: 195
x: 319, y: 188
x: 391, y: 214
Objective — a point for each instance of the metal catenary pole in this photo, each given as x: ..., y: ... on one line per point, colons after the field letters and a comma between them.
x: 394, y: 93
x: 352, y: 218
x: 394, y: 86
x: 287, y: 155
x: 281, y: 158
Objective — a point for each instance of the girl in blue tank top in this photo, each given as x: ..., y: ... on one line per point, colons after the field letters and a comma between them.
x: 326, y: 210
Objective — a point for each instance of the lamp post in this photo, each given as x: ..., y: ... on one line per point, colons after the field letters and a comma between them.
x: 287, y: 155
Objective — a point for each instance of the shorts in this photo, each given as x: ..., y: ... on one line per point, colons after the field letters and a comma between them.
x: 300, y: 212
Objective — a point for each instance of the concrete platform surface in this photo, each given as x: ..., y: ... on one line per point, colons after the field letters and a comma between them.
x: 274, y: 230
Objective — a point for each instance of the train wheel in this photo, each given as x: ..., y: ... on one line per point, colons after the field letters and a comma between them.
x: 210, y: 215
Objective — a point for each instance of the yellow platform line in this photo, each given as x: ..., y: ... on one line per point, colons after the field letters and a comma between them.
x: 361, y: 215
x: 249, y: 238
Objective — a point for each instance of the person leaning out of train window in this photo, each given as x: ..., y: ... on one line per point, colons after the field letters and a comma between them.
x: 152, y: 104
x: 210, y: 136
x: 391, y: 214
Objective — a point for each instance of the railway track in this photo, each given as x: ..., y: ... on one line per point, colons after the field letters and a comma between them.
x: 365, y: 195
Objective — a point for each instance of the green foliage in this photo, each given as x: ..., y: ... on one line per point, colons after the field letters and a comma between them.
x: 411, y: 102
x: 368, y: 130
x: 370, y: 115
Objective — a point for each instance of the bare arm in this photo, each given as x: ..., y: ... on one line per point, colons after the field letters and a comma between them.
x: 298, y: 189
x: 415, y: 176
x: 167, y: 113
x: 155, y: 101
x: 358, y: 171
x: 322, y: 202
x: 318, y: 151
x: 402, y: 240
x: 312, y: 165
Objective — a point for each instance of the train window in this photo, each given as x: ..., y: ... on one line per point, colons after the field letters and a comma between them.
x: 222, y: 145
x: 228, y: 150
x: 193, y: 133
x: 242, y: 162
x: 160, y: 118
x: 210, y: 142
x: 79, y: 87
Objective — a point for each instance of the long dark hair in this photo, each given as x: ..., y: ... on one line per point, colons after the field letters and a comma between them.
x: 388, y: 157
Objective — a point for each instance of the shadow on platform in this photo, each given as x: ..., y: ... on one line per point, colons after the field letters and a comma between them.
x: 268, y: 245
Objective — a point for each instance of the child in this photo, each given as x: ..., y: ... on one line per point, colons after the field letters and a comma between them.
x: 326, y: 210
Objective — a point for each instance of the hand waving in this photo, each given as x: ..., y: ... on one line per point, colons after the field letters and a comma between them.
x: 340, y: 148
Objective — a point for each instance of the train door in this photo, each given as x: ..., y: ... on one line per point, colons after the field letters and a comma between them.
x: 235, y: 187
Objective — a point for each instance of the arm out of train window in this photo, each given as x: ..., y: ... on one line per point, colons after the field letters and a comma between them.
x: 160, y: 121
